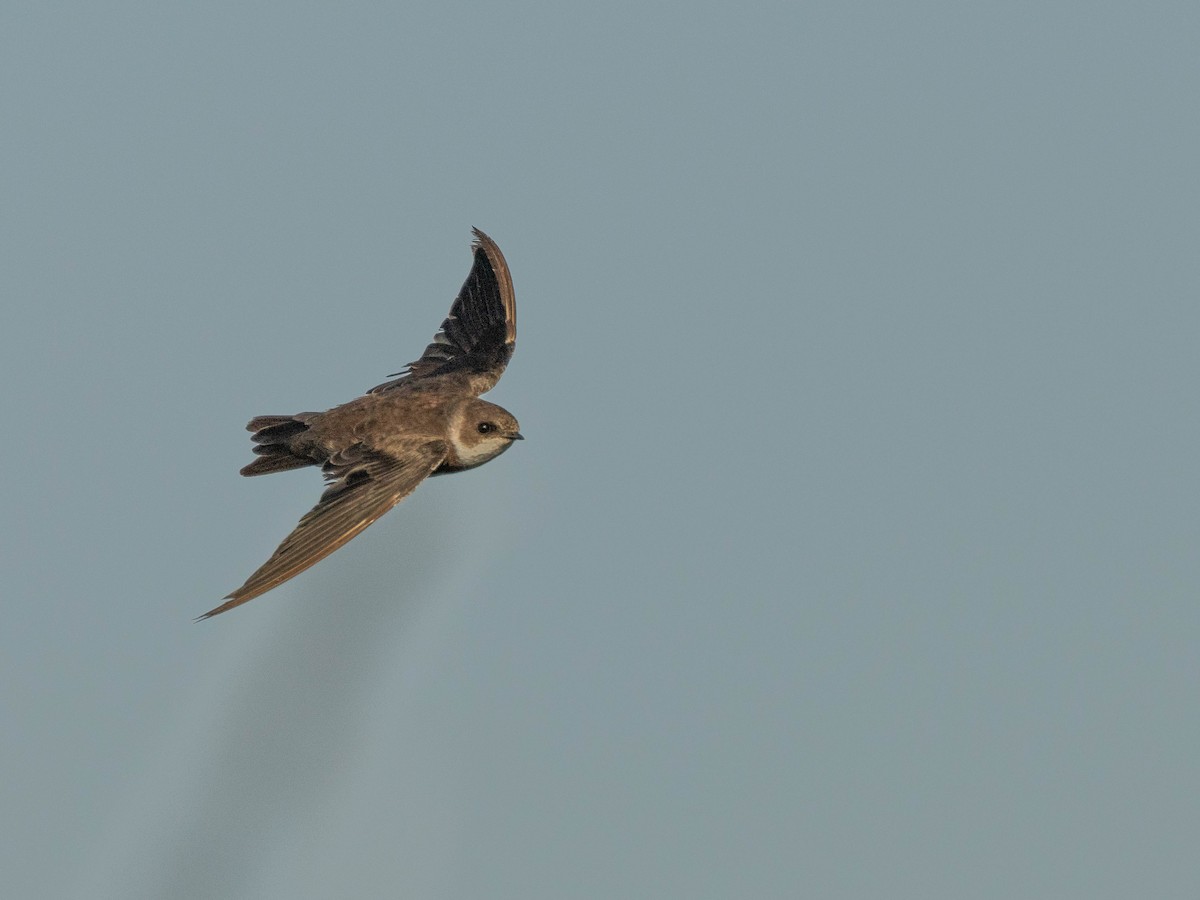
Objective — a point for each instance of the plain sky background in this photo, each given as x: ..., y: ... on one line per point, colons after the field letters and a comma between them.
x: 853, y: 548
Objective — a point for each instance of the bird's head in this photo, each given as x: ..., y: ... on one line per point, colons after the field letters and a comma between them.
x: 480, y: 431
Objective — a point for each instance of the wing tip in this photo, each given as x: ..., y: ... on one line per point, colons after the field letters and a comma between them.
x: 491, y: 250
x: 237, y: 598
x: 217, y: 610
x: 244, y: 594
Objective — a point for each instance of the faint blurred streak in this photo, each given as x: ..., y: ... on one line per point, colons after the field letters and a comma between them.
x: 272, y: 735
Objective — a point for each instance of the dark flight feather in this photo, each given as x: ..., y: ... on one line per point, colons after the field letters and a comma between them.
x: 478, y: 336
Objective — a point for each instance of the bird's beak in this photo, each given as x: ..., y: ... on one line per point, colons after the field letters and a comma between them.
x: 516, y: 436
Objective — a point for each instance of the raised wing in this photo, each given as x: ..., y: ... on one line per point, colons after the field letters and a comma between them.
x: 478, y: 336
x: 365, y: 485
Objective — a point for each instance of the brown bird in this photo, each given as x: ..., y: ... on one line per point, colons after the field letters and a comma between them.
x: 376, y: 449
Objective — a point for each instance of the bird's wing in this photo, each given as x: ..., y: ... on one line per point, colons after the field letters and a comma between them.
x: 365, y: 485
x: 477, y: 338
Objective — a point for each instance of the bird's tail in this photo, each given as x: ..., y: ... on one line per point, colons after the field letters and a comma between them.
x: 273, y: 437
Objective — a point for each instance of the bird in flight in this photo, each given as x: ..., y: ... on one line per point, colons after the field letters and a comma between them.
x: 376, y: 449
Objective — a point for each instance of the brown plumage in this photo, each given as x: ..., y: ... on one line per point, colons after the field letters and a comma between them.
x: 377, y: 448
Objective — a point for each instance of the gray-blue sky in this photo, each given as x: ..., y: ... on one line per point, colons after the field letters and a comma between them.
x: 852, y: 548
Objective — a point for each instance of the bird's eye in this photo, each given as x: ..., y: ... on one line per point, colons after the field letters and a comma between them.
x: 485, y: 427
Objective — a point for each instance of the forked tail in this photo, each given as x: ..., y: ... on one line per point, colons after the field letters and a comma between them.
x: 273, y: 437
